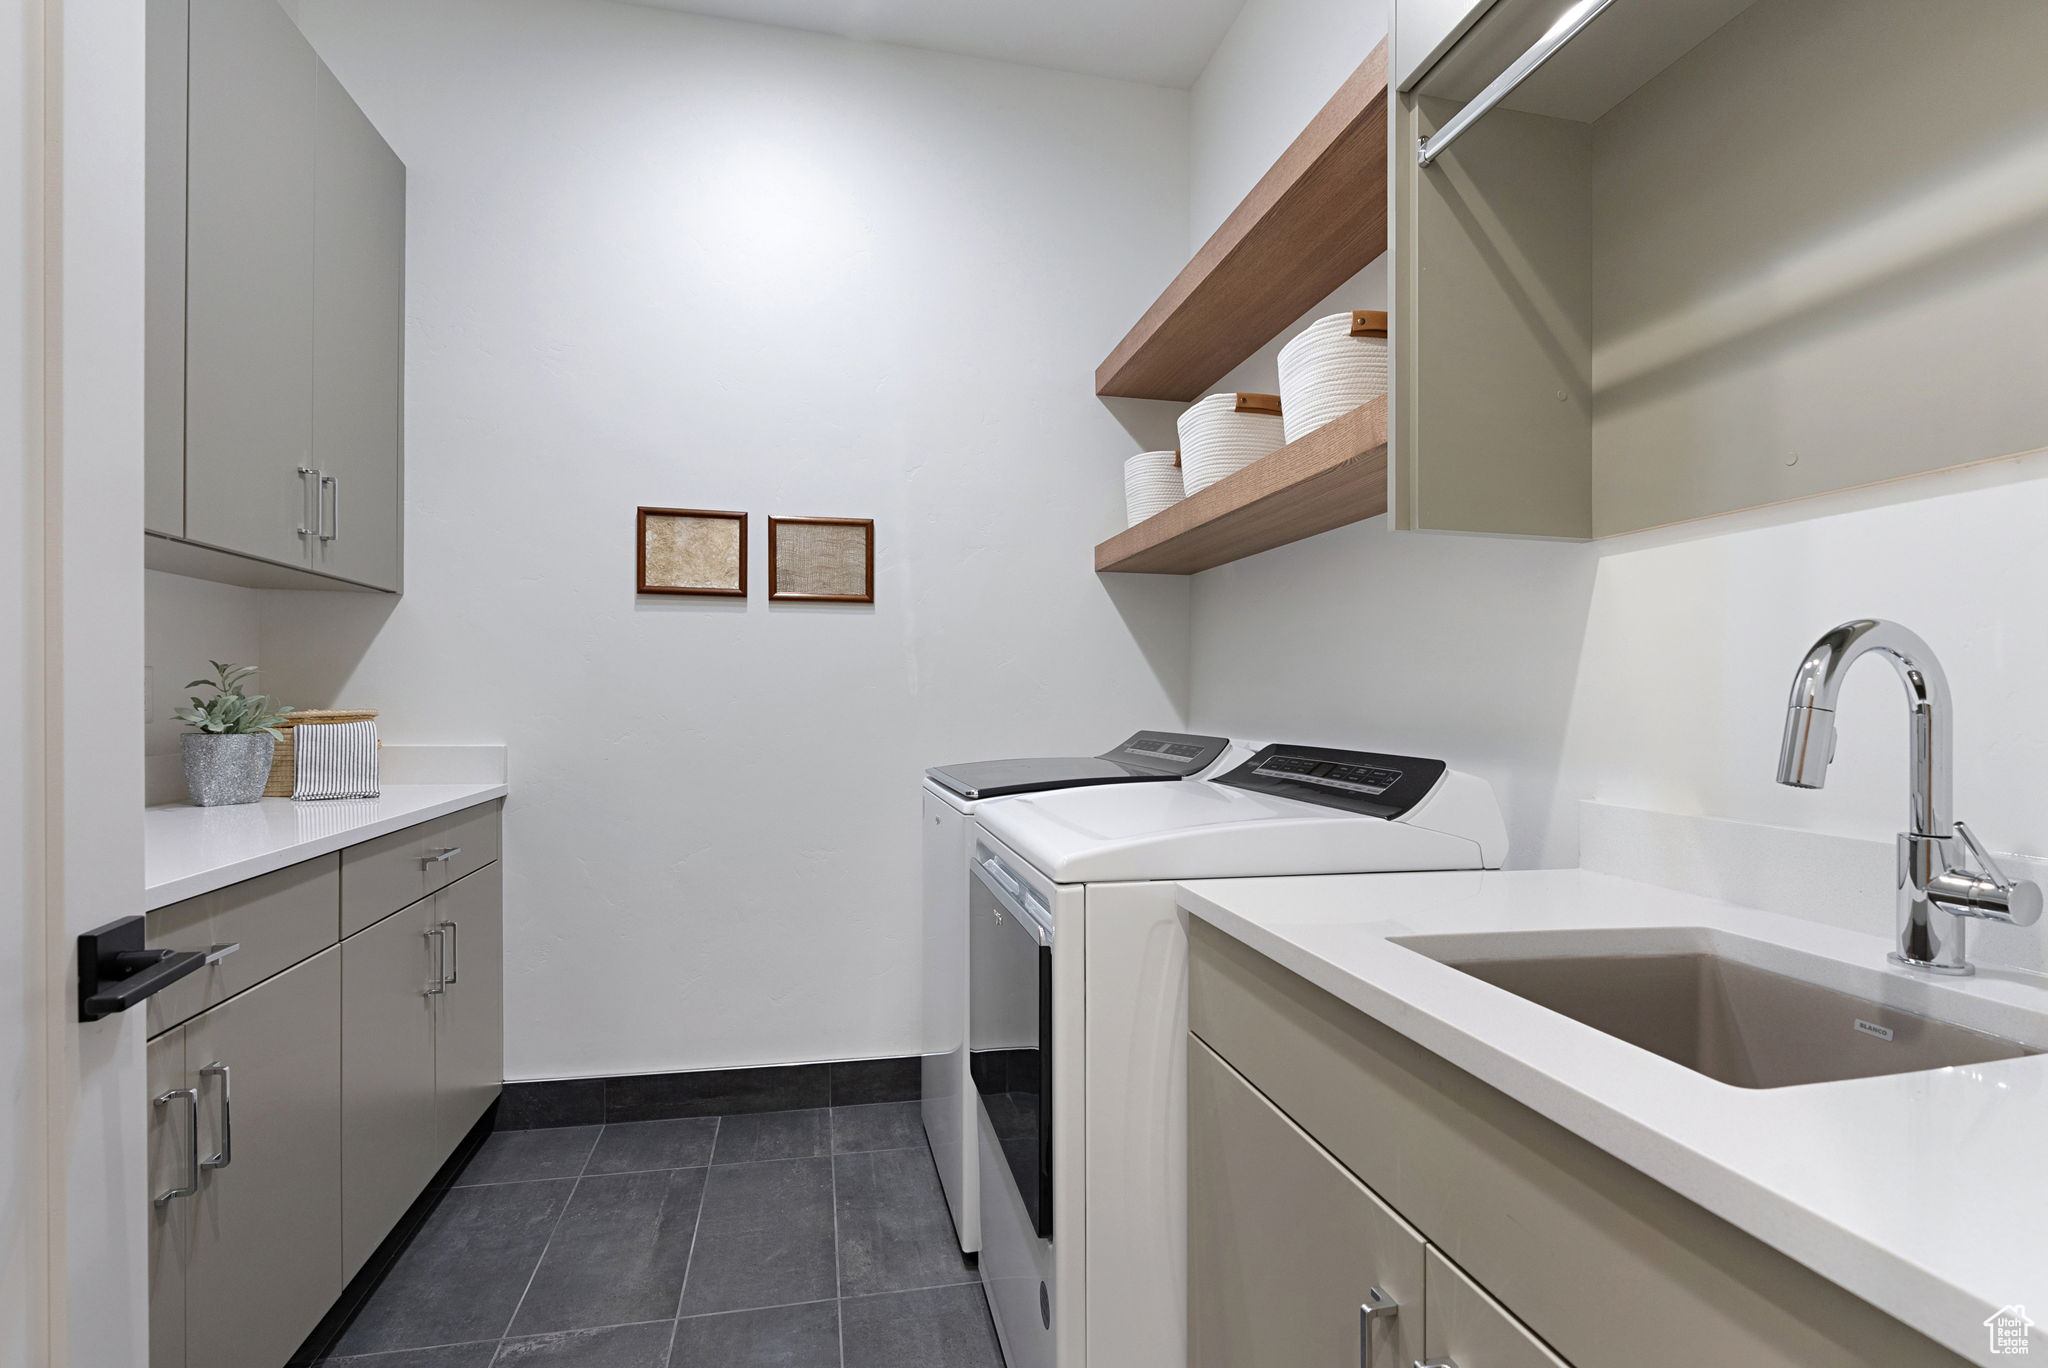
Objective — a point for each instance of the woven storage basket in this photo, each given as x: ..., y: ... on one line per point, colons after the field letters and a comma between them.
x: 1224, y: 433
x: 1151, y: 485
x: 284, y: 770
x: 1333, y: 366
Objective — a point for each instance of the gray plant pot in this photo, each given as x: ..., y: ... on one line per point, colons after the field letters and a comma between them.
x: 224, y: 770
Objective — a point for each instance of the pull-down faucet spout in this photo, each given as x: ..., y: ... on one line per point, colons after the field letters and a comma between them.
x: 1936, y: 893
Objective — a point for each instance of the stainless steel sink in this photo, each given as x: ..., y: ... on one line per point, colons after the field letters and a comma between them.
x: 1724, y: 1017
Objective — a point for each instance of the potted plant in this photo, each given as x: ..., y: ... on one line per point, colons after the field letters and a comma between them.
x: 227, y: 752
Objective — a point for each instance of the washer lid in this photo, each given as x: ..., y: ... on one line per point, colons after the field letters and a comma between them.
x: 1147, y: 757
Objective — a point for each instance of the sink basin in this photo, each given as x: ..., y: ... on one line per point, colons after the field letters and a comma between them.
x: 1676, y: 995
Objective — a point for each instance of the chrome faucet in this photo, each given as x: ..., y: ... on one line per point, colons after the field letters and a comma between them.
x: 1936, y: 893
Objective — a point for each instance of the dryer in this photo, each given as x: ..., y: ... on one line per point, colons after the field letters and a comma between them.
x: 952, y: 795
x: 1078, y: 1025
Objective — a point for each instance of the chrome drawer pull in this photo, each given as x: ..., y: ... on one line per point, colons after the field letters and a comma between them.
x: 442, y: 857
x: 454, y: 952
x: 1376, y: 1307
x: 191, y: 1183
x: 440, y: 983
x: 227, y: 1116
x: 221, y: 952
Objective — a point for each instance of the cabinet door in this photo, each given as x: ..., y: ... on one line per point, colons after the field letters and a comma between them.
x: 163, y: 265
x: 1466, y: 1327
x: 358, y: 334
x: 249, y: 280
x: 173, y: 1158
x: 1284, y: 1245
x: 266, y: 1254
x: 471, y: 1041
x: 388, y: 1148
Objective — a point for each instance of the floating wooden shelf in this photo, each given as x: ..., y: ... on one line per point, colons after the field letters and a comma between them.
x: 1335, y: 475
x: 1315, y: 220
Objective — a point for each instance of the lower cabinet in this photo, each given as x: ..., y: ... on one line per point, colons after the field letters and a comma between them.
x: 1289, y: 1286
x: 1329, y: 1155
x: 296, y: 1116
x: 246, y: 1155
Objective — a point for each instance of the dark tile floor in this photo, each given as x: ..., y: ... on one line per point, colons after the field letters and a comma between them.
x: 793, y: 1239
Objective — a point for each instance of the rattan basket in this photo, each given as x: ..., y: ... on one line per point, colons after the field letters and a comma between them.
x: 284, y: 768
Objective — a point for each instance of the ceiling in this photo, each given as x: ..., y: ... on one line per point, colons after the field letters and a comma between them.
x: 1160, y: 42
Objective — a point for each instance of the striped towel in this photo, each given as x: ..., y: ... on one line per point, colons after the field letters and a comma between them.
x: 335, y: 760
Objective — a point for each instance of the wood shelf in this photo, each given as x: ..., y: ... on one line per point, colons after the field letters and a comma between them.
x: 1315, y: 220
x: 1335, y: 475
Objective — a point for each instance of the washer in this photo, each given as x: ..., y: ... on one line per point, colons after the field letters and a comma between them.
x: 1079, y: 1015
x: 952, y: 795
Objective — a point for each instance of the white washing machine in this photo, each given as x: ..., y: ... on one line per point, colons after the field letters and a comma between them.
x: 952, y: 795
x: 1078, y: 1019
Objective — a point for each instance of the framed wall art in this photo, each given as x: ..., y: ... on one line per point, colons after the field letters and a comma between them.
x: 821, y: 560
x: 692, y: 551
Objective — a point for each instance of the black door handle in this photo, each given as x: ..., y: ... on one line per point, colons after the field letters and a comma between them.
x: 116, y: 969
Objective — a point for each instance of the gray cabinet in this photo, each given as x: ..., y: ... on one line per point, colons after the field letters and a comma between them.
x: 1278, y: 1275
x: 276, y: 280
x: 248, y: 1257
x: 389, y: 1146
x: 303, y: 1092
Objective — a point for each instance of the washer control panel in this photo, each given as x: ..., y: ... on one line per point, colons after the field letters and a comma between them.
x: 1355, y: 781
x: 1170, y: 752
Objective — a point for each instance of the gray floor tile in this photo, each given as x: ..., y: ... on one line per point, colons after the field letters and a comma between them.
x: 522, y: 1156
x: 780, y: 1337
x: 880, y: 1126
x: 618, y: 1255
x: 943, y: 1327
x: 773, y: 1135
x: 895, y: 1233
x: 443, y: 1356
x: 463, y: 1275
x: 632, y: 1146
x: 619, y: 1346
x: 765, y: 1238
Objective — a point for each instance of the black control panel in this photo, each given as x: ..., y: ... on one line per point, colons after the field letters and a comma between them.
x: 1353, y: 781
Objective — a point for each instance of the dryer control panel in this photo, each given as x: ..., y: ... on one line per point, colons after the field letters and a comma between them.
x: 1365, y: 782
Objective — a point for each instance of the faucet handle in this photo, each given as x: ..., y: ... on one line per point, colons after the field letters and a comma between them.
x: 2017, y: 901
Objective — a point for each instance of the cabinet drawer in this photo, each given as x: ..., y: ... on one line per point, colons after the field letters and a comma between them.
x: 277, y: 919
x: 379, y: 877
x: 1607, y: 1265
x: 1466, y: 1327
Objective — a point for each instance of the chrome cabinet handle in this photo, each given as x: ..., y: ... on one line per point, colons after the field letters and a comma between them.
x: 191, y: 1183
x: 454, y: 943
x: 309, y: 501
x: 221, y: 952
x: 442, y: 856
x: 226, y: 1156
x: 440, y: 984
x: 330, y: 511
x: 1377, y: 1306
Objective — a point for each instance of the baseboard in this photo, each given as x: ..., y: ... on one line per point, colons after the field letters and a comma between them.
x: 706, y: 1092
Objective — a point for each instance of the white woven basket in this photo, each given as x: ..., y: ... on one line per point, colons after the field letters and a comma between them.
x: 1224, y: 433
x: 1333, y: 366
x: 1151, y: 484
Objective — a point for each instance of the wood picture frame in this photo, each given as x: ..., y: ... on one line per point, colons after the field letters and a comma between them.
x: 820, y: 577
x: 709, y: 570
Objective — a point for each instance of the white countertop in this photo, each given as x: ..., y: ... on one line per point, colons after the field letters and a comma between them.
x: 1925, y: 1194
x: 192, y: 850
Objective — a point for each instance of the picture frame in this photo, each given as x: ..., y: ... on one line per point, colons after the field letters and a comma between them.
x: 699, y: 552
x: 821, y: 560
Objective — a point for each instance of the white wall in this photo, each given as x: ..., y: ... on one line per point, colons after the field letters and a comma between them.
x: 660, y: 259
x: 189, y: 623
x: 1647, y: 671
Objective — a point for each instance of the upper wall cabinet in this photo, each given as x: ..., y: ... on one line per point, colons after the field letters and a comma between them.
x: 277, y: 256
x: 1710, y: 255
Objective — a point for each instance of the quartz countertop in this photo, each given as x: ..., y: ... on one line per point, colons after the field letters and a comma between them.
x: 1925, y: 1194
x: 191, y: 850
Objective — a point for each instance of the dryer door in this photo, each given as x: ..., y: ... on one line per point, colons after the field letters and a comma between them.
x: 1010, y: 1027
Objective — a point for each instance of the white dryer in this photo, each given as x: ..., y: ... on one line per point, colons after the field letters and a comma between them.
x: 952, y: 795
x: 1079, y: 1015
